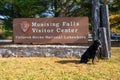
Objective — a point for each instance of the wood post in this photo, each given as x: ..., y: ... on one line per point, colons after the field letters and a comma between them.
x: 100, y: 21
x: 95, y: 18
x: 105, y: 23
x: 104, y: 48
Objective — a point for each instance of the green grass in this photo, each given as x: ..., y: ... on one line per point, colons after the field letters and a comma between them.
x: 38, y: 68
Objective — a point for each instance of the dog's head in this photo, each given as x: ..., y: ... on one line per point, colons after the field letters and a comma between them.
x: 97, y: 42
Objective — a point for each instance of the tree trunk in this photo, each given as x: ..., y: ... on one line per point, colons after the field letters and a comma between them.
x: 95, y: 18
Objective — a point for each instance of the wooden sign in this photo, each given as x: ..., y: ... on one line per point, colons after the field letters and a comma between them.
x: 50, y: 30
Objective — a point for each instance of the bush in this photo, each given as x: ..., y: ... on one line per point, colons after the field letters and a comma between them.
x: 6, y: 34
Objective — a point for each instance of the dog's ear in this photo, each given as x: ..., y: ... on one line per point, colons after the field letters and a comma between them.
x: 97, y: 42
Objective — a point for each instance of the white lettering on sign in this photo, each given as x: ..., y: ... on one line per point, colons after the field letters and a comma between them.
x: 72, y: 23
x: 59, y: 30
x: 42, y: 30
x: 35, y: 24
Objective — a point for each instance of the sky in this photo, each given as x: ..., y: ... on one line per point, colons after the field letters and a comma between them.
x: 1, y: 17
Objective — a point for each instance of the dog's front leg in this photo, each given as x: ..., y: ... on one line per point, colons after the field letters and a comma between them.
x: 93, y: 60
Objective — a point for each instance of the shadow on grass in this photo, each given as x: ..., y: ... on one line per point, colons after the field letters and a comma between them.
x: 74, y: 62
x: 68, y: 61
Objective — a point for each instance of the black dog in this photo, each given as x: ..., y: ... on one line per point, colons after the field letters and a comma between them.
x: 91, y: 52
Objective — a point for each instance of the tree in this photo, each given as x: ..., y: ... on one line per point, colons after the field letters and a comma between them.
x: 70, y: 8
x: 11, y: 9
x: 21, y: 9
x: 115, y: 7
x: 115, y: 23
x: 115, y: 16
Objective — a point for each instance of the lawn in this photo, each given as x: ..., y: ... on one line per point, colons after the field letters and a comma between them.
x: 39, y: 68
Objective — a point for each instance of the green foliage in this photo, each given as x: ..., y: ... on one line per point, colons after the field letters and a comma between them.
x: 70, y: 8
x: 28, y: 8
x: 115, y: 7
x: 115, y: 23
x: 78, y: 1
x: 20, y: 9
x: 58, y: 8
x: 6, y: 34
